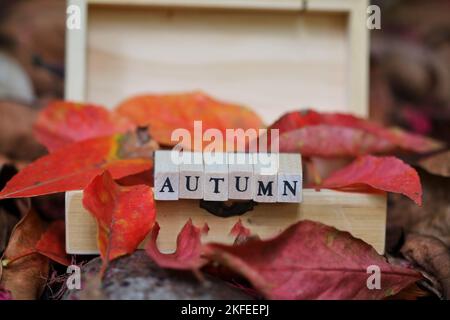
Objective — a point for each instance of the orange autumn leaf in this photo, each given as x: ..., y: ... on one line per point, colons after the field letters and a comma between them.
x: 124, y: 215
x: 166, y: 113
x: 74, y: 166
x: 63, y: 122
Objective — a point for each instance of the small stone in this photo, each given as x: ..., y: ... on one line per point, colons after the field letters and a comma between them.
x: 137, y: 277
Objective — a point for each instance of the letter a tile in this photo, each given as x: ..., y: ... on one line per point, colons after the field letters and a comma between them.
x: 166, y: 175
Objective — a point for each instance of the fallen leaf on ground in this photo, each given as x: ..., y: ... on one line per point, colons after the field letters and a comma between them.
x: 381, y: 173
x: 124, y: 215
x: 187, y: 254
x: 74, y: 166
x: 38, y: 28
x: 438, y: 164
x: 308, y: 260
x: 24, y: 272
x: 62, y: 123
x: 11, y: 210
x: 432, y: 255
x: 312, y: 261
x: 7, y: 223
x: 412, y: 292
x: 52, y: 243
x: 16, y: 135
x: 432, y: 219
x: 396, y: 137
x: 166, y: 113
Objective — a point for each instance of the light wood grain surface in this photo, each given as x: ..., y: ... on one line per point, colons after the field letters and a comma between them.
x: 272, y: 62
x: 271, y: 55
x: 363, y: 215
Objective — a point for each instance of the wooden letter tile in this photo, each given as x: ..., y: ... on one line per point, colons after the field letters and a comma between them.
x: 191, y: 176
x: 290, y: 180
x: 265, y: 180
x: 240, y: 176
x: 216, y: 177
x: 166, y: 176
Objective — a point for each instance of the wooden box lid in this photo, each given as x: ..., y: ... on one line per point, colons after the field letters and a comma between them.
x: 271, y: 55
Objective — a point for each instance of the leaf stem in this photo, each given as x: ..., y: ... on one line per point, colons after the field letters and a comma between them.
x: 7, y: 262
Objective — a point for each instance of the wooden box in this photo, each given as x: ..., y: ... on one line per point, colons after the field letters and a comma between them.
x: 272, y: 55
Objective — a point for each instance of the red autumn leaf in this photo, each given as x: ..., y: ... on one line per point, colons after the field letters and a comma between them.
x: 399, y: 138
x: 239, y: 230
x: 187, y: 255
x: 166, y: 113
x: 62, y: 123
x: 308, y: 260
x: 124, y: 215
x: 331, y: 141
x: 74, y: 166
x: 381, y: 173
x: 52, y: 243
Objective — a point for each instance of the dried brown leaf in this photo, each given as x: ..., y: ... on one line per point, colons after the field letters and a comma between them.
x: 24, y: 272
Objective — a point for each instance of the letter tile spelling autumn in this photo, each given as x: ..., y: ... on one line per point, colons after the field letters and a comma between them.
x: 240, y: 176
x: 265, y: 182
x: 217, y: 176
x: 166, y: 186
x: 290, y: 181
x: 191, y: 176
